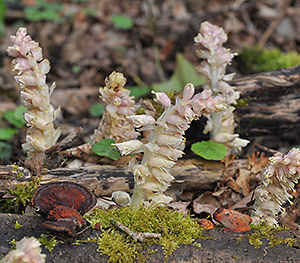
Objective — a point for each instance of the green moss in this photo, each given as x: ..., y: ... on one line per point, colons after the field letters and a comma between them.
x: 22, y: 192
x: 16, y: 170
x: 174, y: 227
x: 270, y: 233
x: 47, y: 242
x: 17, y: 225
x: 257, y: 59
x: 13, y: 244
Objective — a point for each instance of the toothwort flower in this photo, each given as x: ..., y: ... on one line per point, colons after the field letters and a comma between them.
x: 152, y: 175
x: 31, y: 71
x: 215, y: 59
x: 28, y: 250
x: 278, y: 179
x: 115, y: 124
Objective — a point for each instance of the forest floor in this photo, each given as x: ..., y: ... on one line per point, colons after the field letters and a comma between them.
x: 84, y: 42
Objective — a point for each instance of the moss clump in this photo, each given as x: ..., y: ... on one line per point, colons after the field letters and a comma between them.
x: 17, y: 225
x: 257, y: 59
x: 174, y: 227
x: 47, y: 242
x: 22, y: 192
x: 270, y: 233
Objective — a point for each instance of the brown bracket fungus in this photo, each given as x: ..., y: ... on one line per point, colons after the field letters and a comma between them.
x: 63, y: 203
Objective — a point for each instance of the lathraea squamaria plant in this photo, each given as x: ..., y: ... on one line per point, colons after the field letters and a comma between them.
x: 27, y: 250
x: 114, y: 124
x: 278, y: 180
x: 152, y: 175
x: 215, y: 59
x: 31, y: 71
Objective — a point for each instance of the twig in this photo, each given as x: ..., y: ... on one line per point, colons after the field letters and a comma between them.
x: 264, y: 148
x: 137, y: 236
x: 153, y: 25
x: 283, y: 6
x: 97, y: 131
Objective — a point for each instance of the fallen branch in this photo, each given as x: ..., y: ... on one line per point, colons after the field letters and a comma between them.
x: 137, y: 236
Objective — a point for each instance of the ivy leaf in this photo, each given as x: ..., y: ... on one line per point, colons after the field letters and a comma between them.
x: 97, y: 109
x: 2, y: 17
x: 7, y: 134
x: 139, y: 92
x: 209, y: 150
x: 16, y: 117
x: 105, y: 148
x: 185, y: 72
x: 122, y: 21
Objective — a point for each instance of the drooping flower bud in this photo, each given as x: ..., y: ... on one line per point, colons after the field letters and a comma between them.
x: 162, y: 98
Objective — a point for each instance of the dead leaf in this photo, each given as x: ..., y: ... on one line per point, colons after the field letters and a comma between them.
x: 232, y: 220
x: 228, y: 160
x: 233, y: 185
x: 255, y: 164
x: 207, y: 198
x: 205, y: 223
x: 243, y: 181
x: 208, y: 209
x: 244, y: 201
x: 180, y: 207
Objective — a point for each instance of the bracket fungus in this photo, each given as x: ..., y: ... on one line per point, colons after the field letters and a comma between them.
x: 63, y: 203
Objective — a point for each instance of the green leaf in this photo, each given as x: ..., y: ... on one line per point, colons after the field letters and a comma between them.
x: 209, y: 150
x: 34, y: 14
x: 5, y: 150
x: 139, y: 92
x: 2, y: 16
x: 185, y: 72
x: 105, y: 148
x: 7, y: 134
x: 16, y: 117
x: 44, y: 11
x: 97, y: 109
x: 122, y: 21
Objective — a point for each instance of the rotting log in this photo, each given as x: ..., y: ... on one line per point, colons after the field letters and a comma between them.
x: 273, y: 102
x: 103, y: 180
x: 274, y: 105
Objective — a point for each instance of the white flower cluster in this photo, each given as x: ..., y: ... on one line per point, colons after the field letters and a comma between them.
x: 152, y: 176
x: 28, y: 250
x: 215, y: 59
x: 115, y: 125
x: 279, y: 177
x: 31, y: 71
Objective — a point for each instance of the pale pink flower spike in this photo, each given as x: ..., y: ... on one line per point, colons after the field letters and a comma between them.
x: 31, y: 71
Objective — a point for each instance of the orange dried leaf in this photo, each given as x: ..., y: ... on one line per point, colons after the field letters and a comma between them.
x: 205, y: 223
x: 233, y: 220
